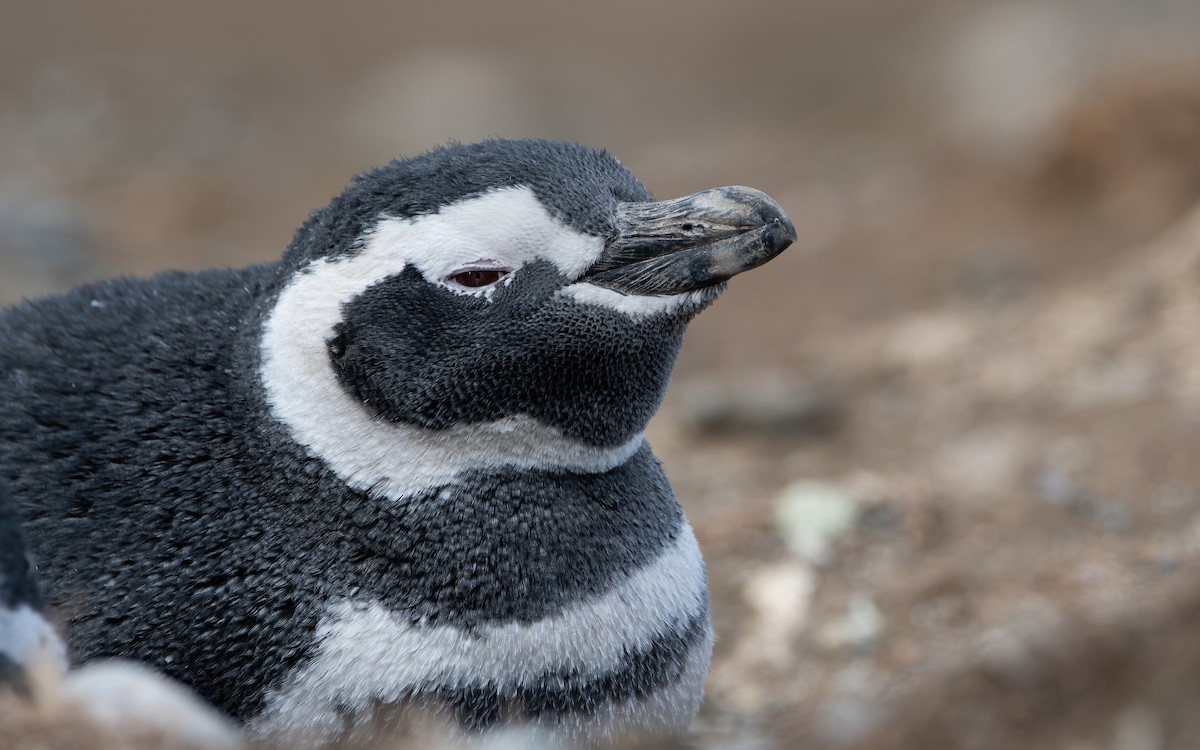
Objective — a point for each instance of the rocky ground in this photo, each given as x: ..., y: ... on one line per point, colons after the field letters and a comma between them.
x: 939, y: 455
x: 995, y: 542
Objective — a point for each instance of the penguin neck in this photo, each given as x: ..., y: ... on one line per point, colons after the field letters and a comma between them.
x: 384, y: 458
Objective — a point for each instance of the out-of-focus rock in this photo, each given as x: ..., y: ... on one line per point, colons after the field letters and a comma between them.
x: 780, y: 595
x: 928, y: 338
x: 858, y: 630
x: 778, y: 598
x: 1139, y: 727
x: 997, y: 273
x: 718, y: 727
x: 811, y: 516
x: 1111, y: 383
x: 1049, y: 683
x: 847, y: 718
x: 983, y: 461
x: 1059, y: 488
x: 770, y: 404
x: 1114, y: 517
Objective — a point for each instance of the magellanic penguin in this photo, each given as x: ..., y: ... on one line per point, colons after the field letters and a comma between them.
x: 403, y: 466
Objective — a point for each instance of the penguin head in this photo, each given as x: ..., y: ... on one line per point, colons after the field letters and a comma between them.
x: 510, y: 279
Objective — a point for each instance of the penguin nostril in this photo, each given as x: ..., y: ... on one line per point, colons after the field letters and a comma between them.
x: 478, y: 278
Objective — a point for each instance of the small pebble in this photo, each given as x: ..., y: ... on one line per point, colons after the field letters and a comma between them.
x: 858, y: 630
x: 811, y: 516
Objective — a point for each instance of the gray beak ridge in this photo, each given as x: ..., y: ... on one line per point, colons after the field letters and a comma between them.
x: 685, y: 244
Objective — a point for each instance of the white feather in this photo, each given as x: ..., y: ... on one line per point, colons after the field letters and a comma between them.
x: 366, y: 654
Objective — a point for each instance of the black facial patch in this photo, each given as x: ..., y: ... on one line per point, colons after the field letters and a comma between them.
x: 420, y: 354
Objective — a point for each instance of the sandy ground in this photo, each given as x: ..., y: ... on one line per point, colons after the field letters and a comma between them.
x: 939, y: 455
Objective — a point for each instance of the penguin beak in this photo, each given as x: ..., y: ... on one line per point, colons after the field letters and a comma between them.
x: 693, y: 242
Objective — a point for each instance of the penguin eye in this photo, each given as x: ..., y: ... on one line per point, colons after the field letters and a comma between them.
x: 478, y: 277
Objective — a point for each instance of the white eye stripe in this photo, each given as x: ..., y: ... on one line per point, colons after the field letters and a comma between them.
x: 508, y: 227
x: 482, y: 267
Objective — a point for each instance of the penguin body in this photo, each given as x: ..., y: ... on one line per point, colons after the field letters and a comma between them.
x: 403, y: 466
x: 107, y: 703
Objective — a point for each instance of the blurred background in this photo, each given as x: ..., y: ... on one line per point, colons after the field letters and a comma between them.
x: 940, y: 454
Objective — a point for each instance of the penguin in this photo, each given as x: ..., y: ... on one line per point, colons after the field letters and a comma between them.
x: 401, y: 470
